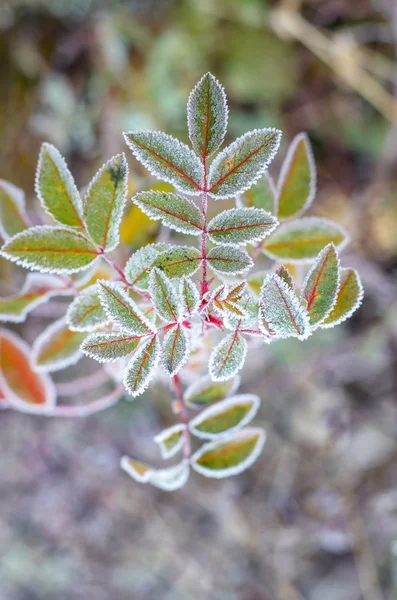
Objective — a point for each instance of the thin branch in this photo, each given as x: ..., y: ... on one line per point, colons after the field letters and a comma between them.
x: 91, y: 408
x: 184, y: 416
x: 82, y: 384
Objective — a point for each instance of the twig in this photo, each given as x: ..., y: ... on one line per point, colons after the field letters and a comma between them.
x: 90, y: 408
x: 82, y: 384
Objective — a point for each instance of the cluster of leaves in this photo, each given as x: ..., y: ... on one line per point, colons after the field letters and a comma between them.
x: 156, y: 312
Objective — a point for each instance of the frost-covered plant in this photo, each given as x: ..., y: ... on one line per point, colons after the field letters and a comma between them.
x: 189, y: 311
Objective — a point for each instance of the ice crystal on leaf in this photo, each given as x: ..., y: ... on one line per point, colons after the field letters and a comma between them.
x: 186, y: 310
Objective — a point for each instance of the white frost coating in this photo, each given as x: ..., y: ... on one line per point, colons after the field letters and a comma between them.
x: 227, y: 357
x: 168, y: 159
x: 236, y: 469
x: 48, y: 385
x: 164, y: 297
x: 355, y: 306
x: 303, y: 224
x: 205, y: 383
x: 140, y: 262
x: 67, y: 179
x: 175, y: 212
x: 176, y: 350
x: 117, y: 211
x: 164, y: 435
x: 140, y: 370
x: 169, y: 480
x: 18, y: 197
x: 320, y: 260
x: 237, y: 179
x: 43, y: 229
x: 43, y: 339
x: 121, y: 309
x: 34, y: 283
x: 230, y: 260
x: 285, y: 169
x: 189, y: 297
x: 219, y: 408
x: 219, y: 113
x: 115, y: 369
x: 241, y: 226
x: 109, y: 346
x: 281, y: 310
x: 79, y: 315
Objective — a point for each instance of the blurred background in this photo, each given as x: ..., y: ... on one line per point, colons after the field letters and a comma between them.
x: 316, y: 518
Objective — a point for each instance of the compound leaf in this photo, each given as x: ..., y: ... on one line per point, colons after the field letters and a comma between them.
x: 164, y: 296
x: 207, y: 115
x: 228, y: 357
x: 297, y: 183
x: 229, y: 259
x: 36, y: 290
x: 320, y: 288
x: 241, y: 226
x: 170, y: 440
x: 168, y: 159
x: 140, y: 369
x: 86, y: 312
x: 169, y: 479
x: 205, y: 391
x: 13, y: 218
x: 57, y: 347
x: 349, y: 298
x: 176, y: 348
x: 280, y: 310
x: 56, y: 189
x: 174, y: 211
x: 229, y: 415
x: 303, y: 239
x: 50, y: 250
x: 25, y: 389
x: 229, y: 455
x: 242, y: 163
x: 105, y: 201
x: 109, y: 346
x: 121, y: 308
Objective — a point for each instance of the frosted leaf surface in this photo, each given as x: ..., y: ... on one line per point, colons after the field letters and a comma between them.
x: 86, y: 313
x: 169, y: 480
x: 138, y: 265
x: 176, y: 348
x: 170, y: 440
x: 228, y: 357
x: 320, y: 288
x: 229, y: 259
x: 178, y: 261
x: 174, y: 211
x: 205, y: 391
x: 229, y: 415
x: 261, y: 195
x: 349, y: 298
x: 109, y: 346
x: 164, y: 297
x: 241, y: 226
x: 121, y: 308
x: 57, y: 347
x: 189, y: 297
x: 140, y: 369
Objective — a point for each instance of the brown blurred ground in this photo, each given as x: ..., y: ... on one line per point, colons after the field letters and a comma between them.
x: 316, y: 518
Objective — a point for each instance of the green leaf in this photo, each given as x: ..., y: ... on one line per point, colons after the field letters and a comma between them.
x: 170, y: 440
x: 229, y: 455
x: 261, y: 195
x: 164, y: 296
x: 173, y: 211
x: 176, y: 348
x: 140, y: 370
x: 303, y: 239
x: 189, y: 297
x: 205, y: 392
x: 57, y: 347
x: 108, y: 346
x: 25, y: 390
x: 36, y: 290
x: 207, y: 114
x: 320, y: 288
x: 169, y: 479
x: 138, y: 266
x: 13, y: 218
x: 286, y: 276
x: 104, y: 202
x: 280, y: 310
x: 296, y: 187
x: 229, y: 259
x: 168, y: 159
x: 349, y: 298
x: 56, y: 188
x: 178, y: 261
x: 86, y: 312
x: 242, y: 163
x: 227, y: 357
x: 50, y: 250
x: 228, y: 415
x: 121, y: 308
x: 241, y: 226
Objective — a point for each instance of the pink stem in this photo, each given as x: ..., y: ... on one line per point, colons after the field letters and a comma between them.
x: 184, y: 416
x: 82, y: 384
x: 90, y: 408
